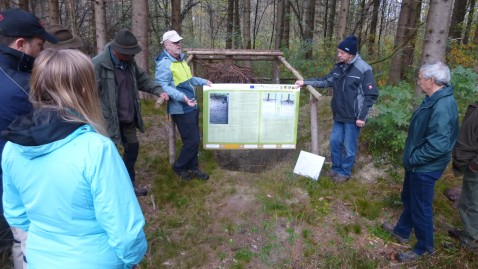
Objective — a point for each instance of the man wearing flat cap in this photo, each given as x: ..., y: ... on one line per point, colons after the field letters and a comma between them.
x: 354, y: 93
x: 174, y: 75
x: 21, y: 40
x: 119, y: 81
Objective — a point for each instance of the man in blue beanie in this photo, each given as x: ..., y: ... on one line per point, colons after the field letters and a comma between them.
x: 354, y: 93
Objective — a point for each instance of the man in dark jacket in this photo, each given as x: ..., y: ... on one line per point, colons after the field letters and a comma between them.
x: 432, y: 134
x: 355, y: 91
x: 21, y: 40
x: 465, y: 163
x: 119, y: 81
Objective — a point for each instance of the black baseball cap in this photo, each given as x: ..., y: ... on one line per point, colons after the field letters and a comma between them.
x: 17, y: 22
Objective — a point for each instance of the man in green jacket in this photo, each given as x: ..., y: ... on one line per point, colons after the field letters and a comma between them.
x: 432, y: 134
x: 119, y: 81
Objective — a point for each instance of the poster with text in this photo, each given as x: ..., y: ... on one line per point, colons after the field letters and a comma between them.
x: 250, y: 116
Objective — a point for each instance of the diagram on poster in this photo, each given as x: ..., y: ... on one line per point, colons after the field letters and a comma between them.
x: 250, y: 116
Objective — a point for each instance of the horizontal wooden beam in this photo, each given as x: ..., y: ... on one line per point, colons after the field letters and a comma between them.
x: 233, y: 52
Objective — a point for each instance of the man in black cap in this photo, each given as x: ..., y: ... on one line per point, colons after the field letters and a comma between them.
x: 354, y: 93
x: 119, y: 81
x: 21, y: 40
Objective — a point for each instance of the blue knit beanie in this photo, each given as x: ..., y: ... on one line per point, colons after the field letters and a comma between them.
x: 349, y: 45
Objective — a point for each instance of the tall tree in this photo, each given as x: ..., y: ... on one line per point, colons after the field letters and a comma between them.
x: 436, y: 33
x: 373, y: 27
x: 73, y: 16
x: 53, y: 17
x: 469, y: 21
x: 279, y: 24
x: 400, y: 40
x: 343, y: 17
x: 229, y: 23
x: 411, y: 35
x: 100, y: 22
x: 237, y: 25
x: 139, y: 27
x: 457, y: 19
x: 246, y: 26
x: 176, y: 15
x: 331, y: 7
x: 4, y: 4
x: 24, y: 4
x: 286, y: 31
x: 309, y: 27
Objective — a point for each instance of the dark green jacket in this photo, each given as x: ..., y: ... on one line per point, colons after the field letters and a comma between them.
x: 106, y: 82
x: 432, y: 133
x: 465, y: 153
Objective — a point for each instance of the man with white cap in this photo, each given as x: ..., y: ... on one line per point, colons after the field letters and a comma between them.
x: 22, y: 37
x: 119, y: 81
x: 175, y: 77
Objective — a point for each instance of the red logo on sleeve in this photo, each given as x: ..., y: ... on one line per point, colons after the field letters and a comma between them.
x: 370, y: 86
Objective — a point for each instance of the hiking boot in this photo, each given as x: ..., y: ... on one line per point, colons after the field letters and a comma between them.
x: 454, y: 233
x: 183, y: 175
x: 391, y: 230
x: 139, y: 191
x: 200, y: 175
x: 408, y: 256
x: 338, y: 178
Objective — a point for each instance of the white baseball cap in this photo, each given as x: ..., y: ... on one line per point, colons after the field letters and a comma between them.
x: 172, y: 36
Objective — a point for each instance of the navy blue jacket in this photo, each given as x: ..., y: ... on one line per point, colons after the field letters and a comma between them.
x: 355, y: 90
x: 15, y: 70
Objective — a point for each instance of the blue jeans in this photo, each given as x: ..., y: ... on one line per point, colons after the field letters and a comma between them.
x: 343, y: 147
x: 188, y: 127
x: 417, y: 198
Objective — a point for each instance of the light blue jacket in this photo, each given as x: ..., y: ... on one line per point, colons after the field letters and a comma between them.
x: 76, y: 200
x: 176, y: 79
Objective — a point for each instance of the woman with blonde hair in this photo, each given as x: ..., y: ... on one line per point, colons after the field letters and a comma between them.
x: 64, y: 181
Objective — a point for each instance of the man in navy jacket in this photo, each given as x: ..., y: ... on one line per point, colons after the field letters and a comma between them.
x: 355, y: 91
x: 21, y: 40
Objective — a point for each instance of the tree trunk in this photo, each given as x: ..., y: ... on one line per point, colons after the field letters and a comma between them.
x: 176, y: 15
x: 53, y: 17
x: 309, y: 28
x: 343, y: 16
x: 373, y: 27
x: 24, y: 4
x: 436, y: 33
x: 400, y: 40
x: 457, y: 20
x: 469, y: 21
x: 4, y: 4
x: 101, y: 27
x: 72, y: 11
x: 246, y: 29
x: 139, y: 27
x: 237, y: 26
x: 411, y: 35
x: 279, y: 24
x: 229, y: 23
x: 332, y: 7
x: 286, y: 32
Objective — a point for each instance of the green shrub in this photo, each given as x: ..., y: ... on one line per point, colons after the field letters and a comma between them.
x: 464, y: 81
x: 386, y: 133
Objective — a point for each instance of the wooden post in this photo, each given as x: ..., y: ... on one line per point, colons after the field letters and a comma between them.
x: 275, y: 72
x: 172, y: 140
x: 314, y: 126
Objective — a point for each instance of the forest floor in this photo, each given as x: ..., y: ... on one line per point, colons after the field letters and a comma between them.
x: 276, y: 219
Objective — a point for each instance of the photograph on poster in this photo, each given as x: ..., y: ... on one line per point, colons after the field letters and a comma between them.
x: 218, y: 108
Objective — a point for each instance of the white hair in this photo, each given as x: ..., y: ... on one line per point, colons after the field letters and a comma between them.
x: 437, y: 70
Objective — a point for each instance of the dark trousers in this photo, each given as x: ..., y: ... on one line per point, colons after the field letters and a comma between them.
x: 188, y: 127
x: 469, y: 210
x: 131, y: 147
x: 417, y: 197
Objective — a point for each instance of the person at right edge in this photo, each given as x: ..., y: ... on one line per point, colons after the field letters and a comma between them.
x: 354, y: 93
x: 175, y: 77
x: 465, y: 163
x: 432, y: 134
